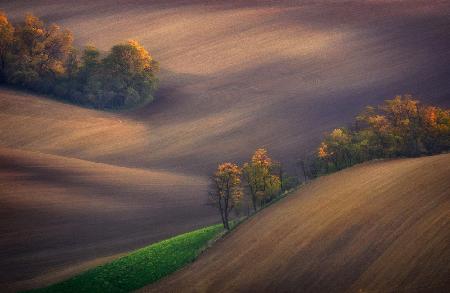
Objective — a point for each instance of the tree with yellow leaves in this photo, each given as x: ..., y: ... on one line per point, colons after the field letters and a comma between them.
x: 261, y: 183
x: 127, y: 76
x: 226, y: 191
x: 40, y: 54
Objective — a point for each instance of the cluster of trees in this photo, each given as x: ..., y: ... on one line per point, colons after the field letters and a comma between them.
x: 42, y: 58
x: 256, y: 183
x: 401, y: 127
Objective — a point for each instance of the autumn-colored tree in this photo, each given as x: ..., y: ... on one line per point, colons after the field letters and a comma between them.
x: 338, y: 150
x: 6, y: 43
x: 126, y: 76
x: 226, y: 191
x: 261, y: 183
x: 41, y: 57
x: 402, y: 114
x: 400, y: 127
x: 40, y: 54
x: 436, y: 129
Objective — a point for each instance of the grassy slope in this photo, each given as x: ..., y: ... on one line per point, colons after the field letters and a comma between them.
x: 380, y: 227
x: 141, y: 267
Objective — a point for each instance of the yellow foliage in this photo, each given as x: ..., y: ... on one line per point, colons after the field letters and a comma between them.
x: 228, y: 177
x: 142, y: 54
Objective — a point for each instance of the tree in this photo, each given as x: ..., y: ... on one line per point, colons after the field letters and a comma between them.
x: 435, y: 129
x: 257, y: 173
x: 399, y: 127
x: 6, y: 43
x: 226, y: 191
x: 338, y: 149
x: 40, y: 54
x: 128, y: 75
x: 402, y: 113
x: 42, y: 58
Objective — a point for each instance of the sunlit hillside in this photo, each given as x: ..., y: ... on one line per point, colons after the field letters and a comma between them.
x: 236, y: 76
x: 376, y: 227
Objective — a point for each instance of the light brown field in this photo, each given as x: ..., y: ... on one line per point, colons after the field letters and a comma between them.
x: 377, y: 227
x: 235, y: 76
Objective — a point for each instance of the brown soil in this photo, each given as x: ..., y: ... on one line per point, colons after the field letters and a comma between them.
x: 377, y: 227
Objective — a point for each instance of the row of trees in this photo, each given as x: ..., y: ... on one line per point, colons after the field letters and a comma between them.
x: 401, y: 127
x: 42, y: 58
x: 256, y: 183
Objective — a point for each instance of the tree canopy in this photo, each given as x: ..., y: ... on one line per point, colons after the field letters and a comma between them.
x: 401, y: 127
x: 42, y: 58
x: 226, y: 191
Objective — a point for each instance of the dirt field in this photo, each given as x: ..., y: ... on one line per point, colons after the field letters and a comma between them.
x: 244, y: 74
x: 235, y: 76
x: 60, y: 215
x: 378, y: 227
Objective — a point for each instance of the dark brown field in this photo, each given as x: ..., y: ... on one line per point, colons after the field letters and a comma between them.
x: 377, y: 227
x: 79, y: 186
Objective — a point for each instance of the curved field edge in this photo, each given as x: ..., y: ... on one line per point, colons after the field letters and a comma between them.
x: 378, y: 227
x: 141, y: 267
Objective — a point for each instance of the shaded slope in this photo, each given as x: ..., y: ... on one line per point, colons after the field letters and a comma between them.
x: 379, y: 227
x: 60, y: 215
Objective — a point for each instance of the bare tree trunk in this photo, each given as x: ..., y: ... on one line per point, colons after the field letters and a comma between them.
x: 248, y: 209
x: 253, y: 194
x: 221, y: 210
x: 281, y: 178
x: 227, y: 226
x: 303, y: 166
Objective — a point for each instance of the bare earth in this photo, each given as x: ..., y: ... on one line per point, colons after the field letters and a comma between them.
x: 377, y: 227
x: 78, y: 186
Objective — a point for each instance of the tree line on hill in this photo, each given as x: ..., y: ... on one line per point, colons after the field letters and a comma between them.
x: 401, y: 127
x: 250, y: 187
x: 42, y: 58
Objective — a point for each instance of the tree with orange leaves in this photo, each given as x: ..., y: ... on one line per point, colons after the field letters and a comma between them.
x: 435, y: 129
x: 6, y: 42
x: 226, y: 191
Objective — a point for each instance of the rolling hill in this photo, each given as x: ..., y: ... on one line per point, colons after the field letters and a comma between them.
x: 59, y: 216
x: 235, y: 76
x: 377, y: 227
x: 244, y: 74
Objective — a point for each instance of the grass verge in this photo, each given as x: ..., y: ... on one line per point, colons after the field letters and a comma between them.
x: 141, y: 267
x: 149, y: 264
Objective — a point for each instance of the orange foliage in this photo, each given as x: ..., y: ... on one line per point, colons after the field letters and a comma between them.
x: 261, y: 158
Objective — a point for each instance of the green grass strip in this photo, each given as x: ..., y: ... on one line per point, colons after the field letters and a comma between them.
x: 141, y: 267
